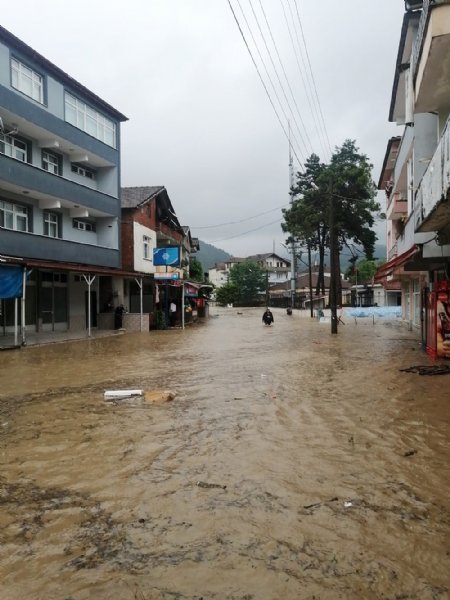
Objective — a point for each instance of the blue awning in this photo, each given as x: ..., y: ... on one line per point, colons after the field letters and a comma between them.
x: 11, y: 279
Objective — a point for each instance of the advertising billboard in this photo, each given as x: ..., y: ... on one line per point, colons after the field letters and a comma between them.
x: 166, y: 257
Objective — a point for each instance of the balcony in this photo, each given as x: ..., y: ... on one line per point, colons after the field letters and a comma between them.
x: 429, y: 57
x: 397, y: 207
x: 432, y: 209
x: 20, y: 177
x: 39, y: 247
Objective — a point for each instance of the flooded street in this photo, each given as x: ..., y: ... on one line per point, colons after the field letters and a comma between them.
x: 291, y: 464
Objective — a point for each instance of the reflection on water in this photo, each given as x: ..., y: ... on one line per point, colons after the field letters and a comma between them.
x: 291, y: 464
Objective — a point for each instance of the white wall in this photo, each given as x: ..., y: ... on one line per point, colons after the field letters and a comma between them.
x: 145, y: 265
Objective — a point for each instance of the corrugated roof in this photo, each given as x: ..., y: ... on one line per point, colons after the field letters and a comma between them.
x: 130, y: 197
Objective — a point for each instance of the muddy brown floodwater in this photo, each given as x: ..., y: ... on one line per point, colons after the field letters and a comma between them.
x: 292, y: 464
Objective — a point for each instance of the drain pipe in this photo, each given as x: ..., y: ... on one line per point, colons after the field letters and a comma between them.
x: 24, y: 287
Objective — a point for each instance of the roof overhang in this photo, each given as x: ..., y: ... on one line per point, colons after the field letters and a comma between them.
x: 393, y: 266
x: 30, y: 263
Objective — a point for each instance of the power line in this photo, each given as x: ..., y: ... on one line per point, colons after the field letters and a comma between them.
x: 284, y: 71
x: 308, y: 93
x: 267, y: 71
x: 278, y: 77
x: 262, y: 81
x: 312, y: 77
x: 240, y: 221
x: 245, y: 232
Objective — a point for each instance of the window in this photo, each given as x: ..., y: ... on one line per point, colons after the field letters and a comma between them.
x: 89, y: 120
x: 51, y: 224
x: 83, y: 171
x: 84, y: 225
x: 13, y: 216
x: 147, y: 247
x: 51, y: 162
x: 27, y: 81
x: 13, y: 147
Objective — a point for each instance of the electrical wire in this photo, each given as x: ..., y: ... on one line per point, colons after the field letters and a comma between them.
x: 305, y: 82
x: 245, y: 232
x: 313, y: 78
x: 268, y: 75
x: 240, y: 220
x: 284, y: 72
x: 262, y: 81
x: 279, y: 80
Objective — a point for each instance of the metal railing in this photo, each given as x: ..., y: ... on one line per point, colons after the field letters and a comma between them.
x: 436, y: 180
x: 423, y: 22
x: 393, y: 251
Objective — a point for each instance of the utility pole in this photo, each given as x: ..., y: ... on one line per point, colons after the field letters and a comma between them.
x: 333, y: 263
x: 291, y: 185
x: 311, y: 308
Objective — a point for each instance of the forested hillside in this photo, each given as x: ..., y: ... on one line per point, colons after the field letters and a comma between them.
x: 208, y: 255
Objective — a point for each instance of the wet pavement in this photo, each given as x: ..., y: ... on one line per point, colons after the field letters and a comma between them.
x: 291, y: 464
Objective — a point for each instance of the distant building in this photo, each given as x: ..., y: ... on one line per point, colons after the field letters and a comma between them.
x: 276, y: 267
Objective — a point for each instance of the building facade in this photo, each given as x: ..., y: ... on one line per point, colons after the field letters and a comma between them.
x: 59, y: 191
x: 149, y: 223
x: 416, y: 171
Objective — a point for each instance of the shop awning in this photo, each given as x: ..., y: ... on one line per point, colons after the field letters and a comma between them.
x: 31, y: 263
x: 393, y: 265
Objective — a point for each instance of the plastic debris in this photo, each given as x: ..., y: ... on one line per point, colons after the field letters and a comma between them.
x: 348, y: 504
x: 119, y: 394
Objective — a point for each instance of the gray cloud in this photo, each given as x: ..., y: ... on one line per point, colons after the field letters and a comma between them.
x: 200, y: 122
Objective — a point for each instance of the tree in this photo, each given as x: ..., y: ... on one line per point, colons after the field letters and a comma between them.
x: 306, y: 219
x: 250, y: 280
x: 227, y: 294
x: 340, y: 194
x: 361, y: 271
x: 195, y: 270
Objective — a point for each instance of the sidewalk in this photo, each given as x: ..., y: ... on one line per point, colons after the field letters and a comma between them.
x: 34, y: 338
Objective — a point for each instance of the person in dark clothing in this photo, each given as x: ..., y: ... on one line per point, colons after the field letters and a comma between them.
x: 268, y: 317
x: 118, y: 316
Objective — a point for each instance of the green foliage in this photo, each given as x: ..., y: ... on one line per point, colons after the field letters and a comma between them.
x: 195, y: 270
x: 227, y: 294
x: 346, y: 182
x: 361, y: 271
x: 349, y: 177
x: 250, y: 280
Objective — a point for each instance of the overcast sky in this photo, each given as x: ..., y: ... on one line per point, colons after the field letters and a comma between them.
x: 200, y: 122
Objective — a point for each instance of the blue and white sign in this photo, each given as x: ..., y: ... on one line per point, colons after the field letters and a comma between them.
x: 166, y: 276
x: 165, y: 257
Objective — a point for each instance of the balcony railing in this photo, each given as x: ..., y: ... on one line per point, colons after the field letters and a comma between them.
x: 393, y: 251
x: 434, y: 184
x: 417, y: 48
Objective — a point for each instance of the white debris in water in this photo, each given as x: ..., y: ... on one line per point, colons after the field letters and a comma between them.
x: 118, y: 394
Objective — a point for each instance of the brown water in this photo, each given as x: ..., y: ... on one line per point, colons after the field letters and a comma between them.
x: 297, y: 438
